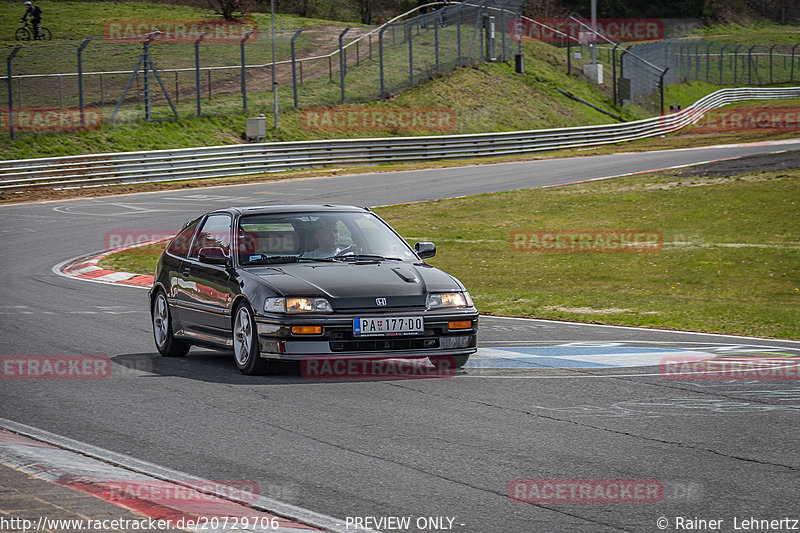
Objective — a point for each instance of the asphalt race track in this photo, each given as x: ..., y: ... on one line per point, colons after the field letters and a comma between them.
x: 541, y: 400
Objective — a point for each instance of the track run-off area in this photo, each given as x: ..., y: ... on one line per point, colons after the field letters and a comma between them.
x: 552, y: 426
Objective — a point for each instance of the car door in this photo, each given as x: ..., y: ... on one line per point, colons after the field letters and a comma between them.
x: 206, y: 290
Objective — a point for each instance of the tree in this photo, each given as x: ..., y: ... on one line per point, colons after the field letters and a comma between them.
x: 227, y: 8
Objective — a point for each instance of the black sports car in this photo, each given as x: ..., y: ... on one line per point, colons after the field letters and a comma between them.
x: 297, y: 282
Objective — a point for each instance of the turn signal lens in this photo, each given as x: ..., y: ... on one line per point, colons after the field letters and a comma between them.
x: 460, y: 324
x: 307, y: 330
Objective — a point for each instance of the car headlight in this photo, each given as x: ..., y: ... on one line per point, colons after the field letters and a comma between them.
x: 448, y: 299
x: 297, y: 305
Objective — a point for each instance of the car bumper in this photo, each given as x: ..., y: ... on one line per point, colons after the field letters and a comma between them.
x: 276, y: 340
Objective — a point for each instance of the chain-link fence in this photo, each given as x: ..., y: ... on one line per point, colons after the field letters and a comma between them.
x: 152, y: 77
x: 713, y: 62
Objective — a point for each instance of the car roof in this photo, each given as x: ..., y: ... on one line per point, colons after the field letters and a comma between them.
x: 267, y: 209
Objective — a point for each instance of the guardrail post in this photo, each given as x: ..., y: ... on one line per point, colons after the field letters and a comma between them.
x: 244, y: 77
x: 342, y: 65
x: 9, y: 59
x: 294, y: 69
x: 380, y: 60
x: 197, y: 70
x: 80, y: 80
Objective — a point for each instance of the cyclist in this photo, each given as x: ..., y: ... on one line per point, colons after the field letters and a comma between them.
x: 35, y: 13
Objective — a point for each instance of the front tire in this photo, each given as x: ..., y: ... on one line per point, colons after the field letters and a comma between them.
x: 22, y: 34
x: 166, y: 343
x: 246, y: 350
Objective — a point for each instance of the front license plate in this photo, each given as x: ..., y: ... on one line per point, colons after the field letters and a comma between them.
x: 364, y: 327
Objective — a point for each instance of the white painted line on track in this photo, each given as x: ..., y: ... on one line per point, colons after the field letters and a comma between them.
x: 138, y: 466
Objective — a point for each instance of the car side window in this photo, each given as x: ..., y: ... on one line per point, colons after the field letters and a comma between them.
x: 179, y: 245
x: 215, y: 233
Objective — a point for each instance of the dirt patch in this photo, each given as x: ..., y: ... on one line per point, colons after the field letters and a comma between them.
x: 754, y: 163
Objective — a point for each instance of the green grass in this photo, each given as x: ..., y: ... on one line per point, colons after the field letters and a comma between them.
x: 758, y: 33
x: 728, y: 264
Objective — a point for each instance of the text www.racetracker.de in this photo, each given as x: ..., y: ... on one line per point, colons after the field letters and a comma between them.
x: 199, y: 523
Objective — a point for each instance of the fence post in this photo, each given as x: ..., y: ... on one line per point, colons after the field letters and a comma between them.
x: 661, y: 88
x: 503, y: 28
x: 721, y: 61
x: 771, y: 48
x: 708, y: 59
x: 736, y: 63
x: 793, y: 49
x: 9, y: 59
x: 380, y: 60
x: 750, y: 65
x: 244, y: 76
x: 410, y: 32
x: 80, y: 80
x: 436, y: 45
x: 614, y: 72
x: 197, y: 70
x: 294, y: 68
x: 146, y: 77
x: 569, y: 57
x: 458, y: 35
x: 697, y: 61
x: 341, y: 61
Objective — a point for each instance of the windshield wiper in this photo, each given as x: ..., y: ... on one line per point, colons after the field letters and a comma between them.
x: 357, y: 257
x: 276, y: 259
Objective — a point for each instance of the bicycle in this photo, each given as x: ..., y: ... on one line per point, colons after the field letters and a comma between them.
x: 25, y: 33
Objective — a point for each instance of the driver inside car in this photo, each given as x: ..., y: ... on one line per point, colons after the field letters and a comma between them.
x: 327, y: 235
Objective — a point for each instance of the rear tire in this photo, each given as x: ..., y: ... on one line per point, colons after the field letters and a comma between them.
x: 166, y: 343
x: 44, y: 34
x: 246, y: 349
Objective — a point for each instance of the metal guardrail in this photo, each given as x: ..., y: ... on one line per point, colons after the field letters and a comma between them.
x: 242, y: 160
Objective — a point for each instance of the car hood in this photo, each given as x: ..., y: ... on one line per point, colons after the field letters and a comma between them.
x: 350, y: 285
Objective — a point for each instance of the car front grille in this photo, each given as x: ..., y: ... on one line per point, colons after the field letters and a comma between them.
x: 384, y: 344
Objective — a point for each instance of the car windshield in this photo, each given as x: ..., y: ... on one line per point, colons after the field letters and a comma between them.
x: 328, y: 236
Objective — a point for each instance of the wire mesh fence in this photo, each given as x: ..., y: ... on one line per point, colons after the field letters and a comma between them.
x: 710, y: 61
x: 149, y: 76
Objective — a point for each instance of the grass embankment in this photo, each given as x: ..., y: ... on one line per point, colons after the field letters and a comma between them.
x: 730, y: 262
x: 485, y: 97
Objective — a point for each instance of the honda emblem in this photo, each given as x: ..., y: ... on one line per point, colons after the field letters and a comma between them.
x: 380, y: 301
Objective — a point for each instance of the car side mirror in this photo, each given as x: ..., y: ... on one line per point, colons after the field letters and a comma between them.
x: 425, y: 249
x: 212, y: 256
